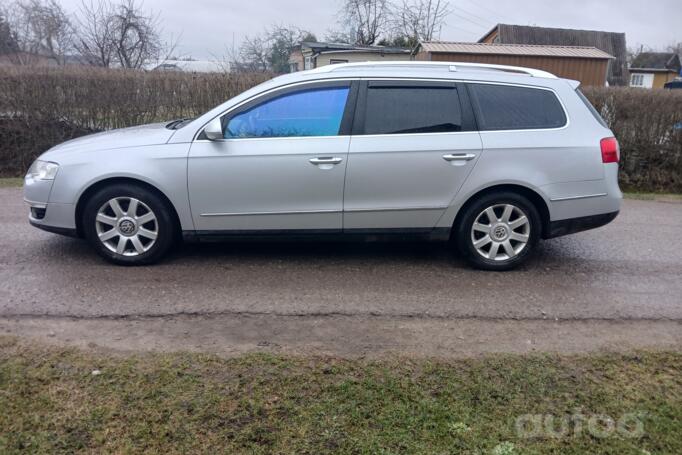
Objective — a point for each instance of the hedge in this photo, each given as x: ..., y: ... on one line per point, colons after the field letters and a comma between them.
x: 41, y: 107
x: 648, y: 125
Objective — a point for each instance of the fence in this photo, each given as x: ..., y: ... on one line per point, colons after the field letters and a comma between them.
x: 41, y: 107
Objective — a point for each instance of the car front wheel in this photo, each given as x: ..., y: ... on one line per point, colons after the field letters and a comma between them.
x: 128, y: 225
x: 499, y: 231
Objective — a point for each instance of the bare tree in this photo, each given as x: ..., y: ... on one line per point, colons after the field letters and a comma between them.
x: 338, y: 36
x: 283, y: 40
x: 269, y: 51
x: 675, y: 48
x: 252, y: 54
x: 420, y: 20
x: 8, y: 42
x: 136, y: 37
x: 123, y: 34
x: 366, y: 19
x: 95, y: 32
x: 41, y: 28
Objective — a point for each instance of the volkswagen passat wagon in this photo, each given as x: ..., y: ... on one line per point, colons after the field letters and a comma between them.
x: 491, y: 158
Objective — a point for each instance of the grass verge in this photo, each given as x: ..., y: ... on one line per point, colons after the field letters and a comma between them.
x: 7, y: 182
x: 187, y: 403
x: 653, y: 196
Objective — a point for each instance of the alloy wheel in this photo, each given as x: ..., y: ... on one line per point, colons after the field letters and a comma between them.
x: 126, y: 226
x: 500, y: 232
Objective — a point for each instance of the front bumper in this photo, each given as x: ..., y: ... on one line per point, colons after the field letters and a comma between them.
x: 49, y: 216
x: 53, y: 217
x: 69, y: 232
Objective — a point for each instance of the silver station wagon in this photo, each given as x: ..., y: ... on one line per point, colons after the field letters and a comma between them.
x: 490, y: 158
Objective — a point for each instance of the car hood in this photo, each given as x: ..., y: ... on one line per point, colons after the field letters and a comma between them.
x: 152, y: 134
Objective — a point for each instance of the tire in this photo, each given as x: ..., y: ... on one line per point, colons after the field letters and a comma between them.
x: 504, y: 242
x: 127, y: 224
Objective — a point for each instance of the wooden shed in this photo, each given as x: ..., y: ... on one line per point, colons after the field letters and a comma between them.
x: 588, y: 65
x: 613, y: 43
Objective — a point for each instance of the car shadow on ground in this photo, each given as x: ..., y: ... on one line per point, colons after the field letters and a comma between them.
x: 437, y: 254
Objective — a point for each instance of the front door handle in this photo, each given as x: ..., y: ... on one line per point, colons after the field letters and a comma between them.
x: 326, y: 160
x: 459, y: 157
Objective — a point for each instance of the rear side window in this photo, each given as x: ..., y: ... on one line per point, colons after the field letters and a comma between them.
x: 504, y: 107
x: 409, y: 109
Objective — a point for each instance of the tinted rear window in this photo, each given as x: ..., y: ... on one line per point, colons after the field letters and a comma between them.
x: 503, y: 107
x: 412, y: 109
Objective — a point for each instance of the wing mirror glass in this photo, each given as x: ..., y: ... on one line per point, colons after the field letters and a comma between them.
x: 214, y: 130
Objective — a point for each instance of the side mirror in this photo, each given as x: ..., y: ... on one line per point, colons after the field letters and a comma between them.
x: 214, y: 130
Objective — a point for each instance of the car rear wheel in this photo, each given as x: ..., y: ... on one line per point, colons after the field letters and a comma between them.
x: 498, y: 231
x: 128, y: 225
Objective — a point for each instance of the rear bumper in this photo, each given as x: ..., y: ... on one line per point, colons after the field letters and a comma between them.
x: 573, y: 225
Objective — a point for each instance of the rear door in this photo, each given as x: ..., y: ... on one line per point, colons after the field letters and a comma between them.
x: 413, y: 145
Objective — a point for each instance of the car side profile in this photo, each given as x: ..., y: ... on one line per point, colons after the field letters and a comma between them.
x: 491, y: 158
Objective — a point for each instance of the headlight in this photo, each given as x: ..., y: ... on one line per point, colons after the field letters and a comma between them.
x: 43, y: 170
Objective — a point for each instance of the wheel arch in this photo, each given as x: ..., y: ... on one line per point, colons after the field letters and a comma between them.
x: 96, y: 186
x: 533, y: 196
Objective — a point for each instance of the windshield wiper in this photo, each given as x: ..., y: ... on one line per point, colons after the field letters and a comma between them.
x: 177, y: 124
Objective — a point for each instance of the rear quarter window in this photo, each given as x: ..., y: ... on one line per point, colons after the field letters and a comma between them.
x: 591, y: 108
x: 506, y: 107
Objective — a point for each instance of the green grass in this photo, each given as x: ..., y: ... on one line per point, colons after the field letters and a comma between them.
x: 188, y: 403
x: 652, y: 196
x: 6, y: 182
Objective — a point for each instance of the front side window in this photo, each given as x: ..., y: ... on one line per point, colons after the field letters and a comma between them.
x: 412, y: 109
x: 313, y: 112
x: 504, y: 107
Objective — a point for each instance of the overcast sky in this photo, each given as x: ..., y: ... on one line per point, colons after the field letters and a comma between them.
x: 209, y: 27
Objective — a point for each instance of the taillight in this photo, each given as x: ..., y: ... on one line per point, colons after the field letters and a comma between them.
x: 609, y: 150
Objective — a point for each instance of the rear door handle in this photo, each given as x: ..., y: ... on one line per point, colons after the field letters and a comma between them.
x: 459, y: 157
x: 326, y: 160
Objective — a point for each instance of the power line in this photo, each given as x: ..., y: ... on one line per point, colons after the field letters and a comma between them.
x: 478, y: 24
x: 490, y: 11
x: 487, y: 21
x: 465, y: 30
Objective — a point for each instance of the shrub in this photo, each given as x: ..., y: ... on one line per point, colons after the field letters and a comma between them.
x: 644, y: 121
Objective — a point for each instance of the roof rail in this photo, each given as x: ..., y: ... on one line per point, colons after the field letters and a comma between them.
x: 510, y: 69
x: 448, y: 66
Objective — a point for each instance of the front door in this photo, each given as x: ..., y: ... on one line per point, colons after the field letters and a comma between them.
x: 280, y: 167
x: 414, y: 144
